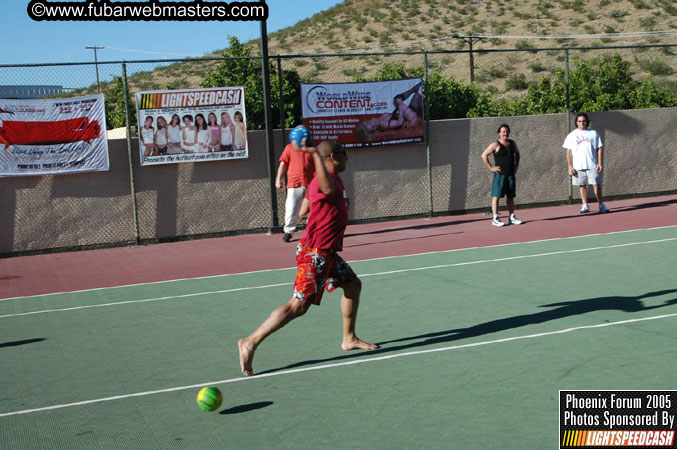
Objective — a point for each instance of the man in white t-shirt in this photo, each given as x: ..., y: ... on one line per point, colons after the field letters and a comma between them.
x: 584, y: 157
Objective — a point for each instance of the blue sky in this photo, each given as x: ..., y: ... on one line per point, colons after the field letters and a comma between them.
x: 27, y: 41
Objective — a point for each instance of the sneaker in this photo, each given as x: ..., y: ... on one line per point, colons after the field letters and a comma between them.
x: 603, y: 209
x: 497, y: 222
x: 514, y: 220
x: 286, y: 237
x: 584, y: 209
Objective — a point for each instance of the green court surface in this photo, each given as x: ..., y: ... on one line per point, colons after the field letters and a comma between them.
x: 475, y: 345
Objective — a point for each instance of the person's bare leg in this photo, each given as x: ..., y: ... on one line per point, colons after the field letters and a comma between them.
x: 280, y: 317
x: 350, y: 302
x: 494, y: 205
x: 510, y: 202
x: 583, y: 189
x: 598, y: 193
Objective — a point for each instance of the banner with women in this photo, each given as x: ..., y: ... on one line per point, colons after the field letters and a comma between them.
x: 365, y: 114
x: 191, y: 125
x: 42, y: 137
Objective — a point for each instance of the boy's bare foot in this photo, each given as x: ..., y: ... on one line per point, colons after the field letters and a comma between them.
x: 355, y: 343
x: 246, y: 357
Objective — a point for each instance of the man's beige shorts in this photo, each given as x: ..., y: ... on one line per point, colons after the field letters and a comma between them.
x: 585, y: 177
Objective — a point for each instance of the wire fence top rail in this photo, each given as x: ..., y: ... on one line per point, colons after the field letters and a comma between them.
x: 338, y: 54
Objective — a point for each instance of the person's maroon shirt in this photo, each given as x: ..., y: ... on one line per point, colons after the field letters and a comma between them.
x: 328, y: 216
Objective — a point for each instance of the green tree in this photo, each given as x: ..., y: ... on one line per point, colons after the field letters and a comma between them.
x: 602, y: 84
x: 648, y: 95
x: 451, y: 99
x: 239, y: 68
x: 115, y: 105
x: 447, y: 97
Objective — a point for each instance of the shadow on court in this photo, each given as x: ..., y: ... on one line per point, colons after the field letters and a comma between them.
x: 246, y: 408
x: 562, y: 310
x: 417, y: 227
x: 18, y: 343
x: 614, y: 209
x: 659, y: 204
x: 403, y: 239
x: 10, y: 277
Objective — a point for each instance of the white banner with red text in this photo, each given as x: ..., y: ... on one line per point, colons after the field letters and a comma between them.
x: 43, y: 137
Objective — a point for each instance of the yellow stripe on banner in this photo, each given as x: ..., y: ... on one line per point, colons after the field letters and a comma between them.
x: 575, y: 438
x: 566, y: 437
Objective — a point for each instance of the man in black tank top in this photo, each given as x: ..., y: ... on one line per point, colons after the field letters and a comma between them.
x: 506, y: 161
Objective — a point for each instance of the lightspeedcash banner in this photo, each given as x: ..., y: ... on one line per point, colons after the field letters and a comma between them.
x: 617, y: 419
x: 192, y: 125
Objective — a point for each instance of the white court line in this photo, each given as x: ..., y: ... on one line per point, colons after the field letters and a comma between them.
x: 415, y: 269
x: 127, y: 302
x: 330, y: 366
x: 352, y: 261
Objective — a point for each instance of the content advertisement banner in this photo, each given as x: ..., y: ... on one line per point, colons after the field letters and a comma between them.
x: 43, y: 137
x: 365, y: 114
x: 191, y: 125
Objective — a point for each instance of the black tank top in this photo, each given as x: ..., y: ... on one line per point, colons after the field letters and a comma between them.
x: 505, y: 158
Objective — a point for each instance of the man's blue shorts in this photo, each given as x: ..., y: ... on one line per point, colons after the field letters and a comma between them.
x: 504, y: 185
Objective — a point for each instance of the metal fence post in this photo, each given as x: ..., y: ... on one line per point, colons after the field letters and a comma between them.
x: 269, y: 126
x: 568, y: 100
x: 283, y: 115
x: 426, y: 103
x: 129, y: 154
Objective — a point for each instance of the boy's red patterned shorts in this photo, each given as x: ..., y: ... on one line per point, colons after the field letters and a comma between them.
x: 319, y: 270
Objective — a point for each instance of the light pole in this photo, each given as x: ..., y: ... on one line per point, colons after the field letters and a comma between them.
x: 471, y: 40
x: 96, y: 63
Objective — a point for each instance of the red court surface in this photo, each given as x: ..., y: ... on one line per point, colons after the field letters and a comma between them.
x: 72, y: 271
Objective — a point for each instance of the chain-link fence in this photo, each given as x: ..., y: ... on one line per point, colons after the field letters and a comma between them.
x: 137, y: 204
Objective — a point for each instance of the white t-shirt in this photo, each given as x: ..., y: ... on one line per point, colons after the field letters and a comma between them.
x: 226, y: 135
x: 161, y: 137
x: 583, y: 146
x: 174, y: 133
x: 203, y: 139
x: 147, y: 135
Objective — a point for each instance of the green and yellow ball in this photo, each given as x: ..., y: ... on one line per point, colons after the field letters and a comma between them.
x: 209, y: 398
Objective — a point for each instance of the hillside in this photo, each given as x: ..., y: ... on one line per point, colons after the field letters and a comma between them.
x: 373, y: 26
